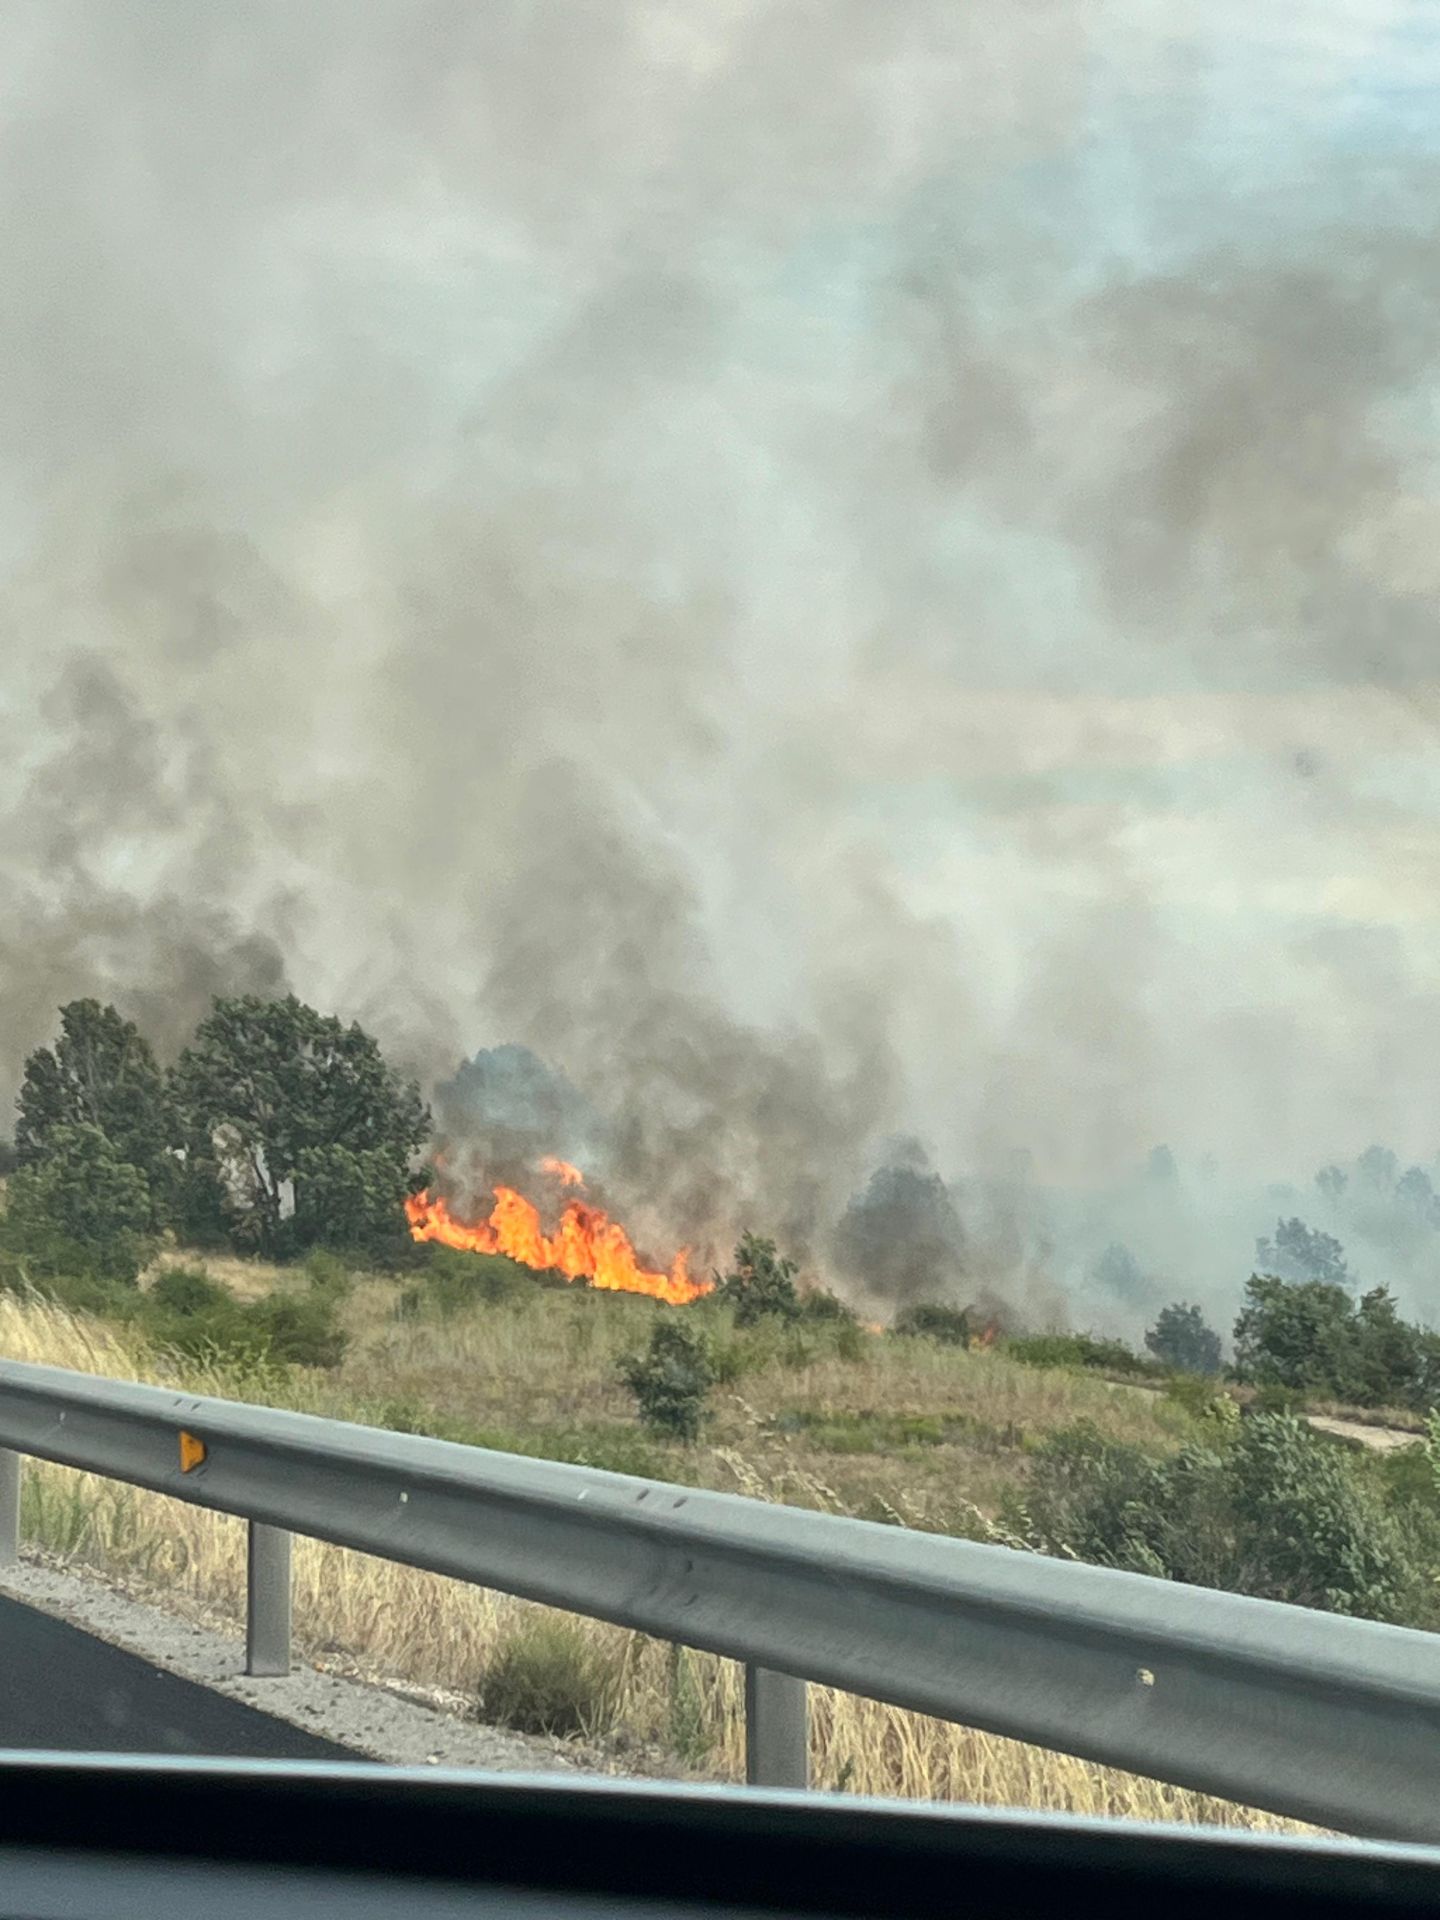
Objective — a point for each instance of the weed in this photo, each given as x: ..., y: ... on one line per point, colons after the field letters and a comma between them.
x: 548, y: 1676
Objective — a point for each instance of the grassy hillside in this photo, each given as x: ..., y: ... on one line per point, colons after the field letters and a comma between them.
x: 819, y: 1416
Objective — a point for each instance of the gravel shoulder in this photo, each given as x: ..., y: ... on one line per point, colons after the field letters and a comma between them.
x: 385, y: 1722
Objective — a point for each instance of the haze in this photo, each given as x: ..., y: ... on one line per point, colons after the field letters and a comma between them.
x: 836, y: 572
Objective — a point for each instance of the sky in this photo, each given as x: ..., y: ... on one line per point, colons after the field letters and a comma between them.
x: 835, y: 571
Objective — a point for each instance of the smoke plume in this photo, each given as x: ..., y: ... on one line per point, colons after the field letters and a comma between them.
x: 833, y: 572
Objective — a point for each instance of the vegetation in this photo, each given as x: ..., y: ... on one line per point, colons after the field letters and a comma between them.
x: 1181, y: 1339
x: 908, y: 1430
x: 78, y: 1210
x: 761, y: 1283
x: 549, y: 1676
x: 279, y: 1130
x: 1313, y: 1337
x: 671, y: 1379
x: 282, y: 1097
x: 931, y: 1321
x: 285, y: 1138
x: 101, y: 1076
x: 1298, y: 1252
x: 1080, y: 1350
x: 1276, y: 1511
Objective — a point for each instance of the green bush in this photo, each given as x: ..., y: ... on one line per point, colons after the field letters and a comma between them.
x: 1270, y: 1511
x: 671, y: 1378
x: 327, y: 1273
x: 547, y: 1677
x: 187, y: 1312
x: 1079, y: 1350
x: 187, y: 1291
x: 950, y: 1326
x: 820, y: 1307
x: 300, y: 1329
x: 456, y: 1282
x: 761, y: 1283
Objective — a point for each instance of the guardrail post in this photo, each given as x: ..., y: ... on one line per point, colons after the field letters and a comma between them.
x: 9, y: 1507
x: 267, y: 1612
x: 777, y: 1730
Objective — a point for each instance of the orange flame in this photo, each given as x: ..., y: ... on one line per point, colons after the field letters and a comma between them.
x: 571, y: 1176
x: 985, y: 1339
x: 587, y: 1245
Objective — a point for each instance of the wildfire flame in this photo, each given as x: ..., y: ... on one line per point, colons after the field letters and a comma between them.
x: 586, y: 1245
x: 571, y: 1176
x: 985, y: 1339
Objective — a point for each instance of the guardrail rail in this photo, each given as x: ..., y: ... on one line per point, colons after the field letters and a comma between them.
x: 1329, y: 1720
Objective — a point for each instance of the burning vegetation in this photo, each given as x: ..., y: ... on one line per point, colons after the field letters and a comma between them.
x: 585, y: 1245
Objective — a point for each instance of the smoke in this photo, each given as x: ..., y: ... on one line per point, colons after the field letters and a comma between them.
x: 831, y: 572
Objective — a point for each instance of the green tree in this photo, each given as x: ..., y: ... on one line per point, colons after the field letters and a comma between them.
x: 1299, y: 1252
x: 1312, y: 1337
x: 1182, y: 1340
x: 1293, y: 1335
x: 352, y: 1201
x: 101, y: 1073
x: 761, y: 1283
x: 671, y: 1378
x: 80, y: 1210
x: 267, y: 1082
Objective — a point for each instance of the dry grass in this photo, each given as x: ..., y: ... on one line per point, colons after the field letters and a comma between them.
x: 408, y: 1625
x: 246, y: 1279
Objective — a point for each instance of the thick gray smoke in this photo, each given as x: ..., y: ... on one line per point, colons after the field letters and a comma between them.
x: 833, y: 571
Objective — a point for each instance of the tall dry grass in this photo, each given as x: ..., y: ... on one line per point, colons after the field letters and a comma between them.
x: 408, y: 1625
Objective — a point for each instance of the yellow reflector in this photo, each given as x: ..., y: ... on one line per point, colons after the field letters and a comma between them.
x: 192, y: 1452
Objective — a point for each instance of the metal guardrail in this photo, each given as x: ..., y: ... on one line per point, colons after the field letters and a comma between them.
x: 1330, y: 1720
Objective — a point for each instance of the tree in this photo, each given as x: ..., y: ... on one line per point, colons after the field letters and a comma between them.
x: 1299, y: 1252
x: 1378, y: 1168
x: 352, y: 1201
x: 1182, y: 1340
x: 901, y: 1237
x: 1118, y: 1272
x: 1161, y: 1167
x: 1292, y: 1335
x: 1332, y: 1182
x: 762, y: 1283
x: 101, y: 1073
x: 1416, y: 1192
x: 671, y: 1379
x: 80, y: 1210
x: 267, y: 1081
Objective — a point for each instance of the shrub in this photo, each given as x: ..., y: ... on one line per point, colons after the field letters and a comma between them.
x: 1078, y: 1350
x: 455, y: 1281
x: 299, y: 1328
x: 1272, y: 1511
x: 328, y: 1274
x: 671, y: 1378
x: 1311, y: 1337
x: 1197, y: 1394
x: 187, y: 1291
x: 548, y: 1677
x: 762, y: 1283
x: 823, y: 1308
x: 932, y: 1321
x: 1181, y: 1339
